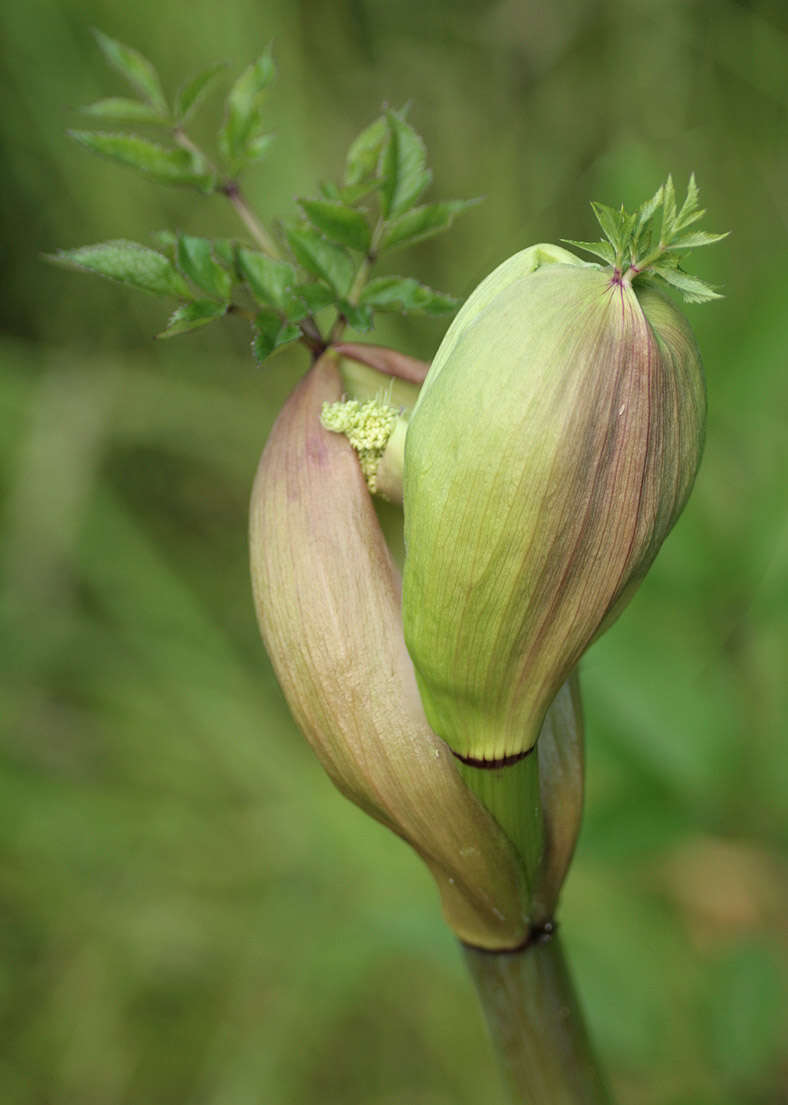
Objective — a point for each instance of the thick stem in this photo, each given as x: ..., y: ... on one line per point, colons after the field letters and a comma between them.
x: 536, y: 1025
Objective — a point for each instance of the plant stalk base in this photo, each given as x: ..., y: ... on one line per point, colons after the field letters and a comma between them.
x: 536, y: 1024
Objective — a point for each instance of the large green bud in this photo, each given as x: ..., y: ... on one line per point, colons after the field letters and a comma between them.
x: 552, y: 448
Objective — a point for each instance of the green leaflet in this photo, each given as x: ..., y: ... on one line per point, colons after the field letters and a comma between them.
x: 404, y: 167
x: 271, y: 282
x: 423, y: 222
x: 636, y: 244
x: 169, y: 166
x: 376, y: 207
x: 190, y: 94
x: 339, y: 222
x: 242, y: 111
x: 196, y: 261
x: 129, y: 263
x: 270, y: 333
x: 118, y: 109
x: 402, y: 293
x: 137, y: 70
x: 322, y: 258
x: 363, y: 157
x: 191, y: 316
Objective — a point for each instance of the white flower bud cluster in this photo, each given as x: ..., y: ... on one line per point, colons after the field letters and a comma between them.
x: 367, y: 425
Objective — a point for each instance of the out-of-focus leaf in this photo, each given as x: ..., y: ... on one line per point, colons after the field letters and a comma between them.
x: 404, y: 167
x: 316, y: 295
x: 196, y: 261
x: 135, y: 68
x: 258, y: 148
x: 121, y: 110
x: 242, y: 112
x: 129, y: 263
x: 329, y: 190
x: 191, y: 316
x: 270, y: 333
x: 354, y: 193
x: 423, y: 222
x: 340, y: 223
x: 271, y: 282
x: 167, y: 241
x: 360, y: 318
x: 169, y: 166
x: 402, y: 293
x: 189, y: 95
x: 225, y: 249
x: 330, y: 262
x: 364, y: 153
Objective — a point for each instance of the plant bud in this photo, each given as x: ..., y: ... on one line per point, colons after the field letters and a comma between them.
x: 328, y: 602
x: 552, y: 448
x: 380, y: 389
x: 376, y: 432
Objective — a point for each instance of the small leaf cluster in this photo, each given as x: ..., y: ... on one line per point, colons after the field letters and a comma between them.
x: 241, y: 139
x: 279, y: 281
x: 648, y: 244
x: 375, y: 210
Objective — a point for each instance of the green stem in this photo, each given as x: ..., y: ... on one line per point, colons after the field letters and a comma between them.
x: 310, y: 332
x: 261, y: 236
x: 512, y: 795
x: 359, y: 281
x: 637, y: 266
x: 232, y: 190
x: 536, y: 1024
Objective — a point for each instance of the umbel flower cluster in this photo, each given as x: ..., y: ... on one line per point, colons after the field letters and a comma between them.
x: 542, y: 462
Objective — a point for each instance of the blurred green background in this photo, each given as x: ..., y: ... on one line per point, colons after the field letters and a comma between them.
x: 190, y: 913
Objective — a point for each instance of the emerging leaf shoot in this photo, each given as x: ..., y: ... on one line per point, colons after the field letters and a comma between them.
x: 648, y: 245
x: 332, y: 245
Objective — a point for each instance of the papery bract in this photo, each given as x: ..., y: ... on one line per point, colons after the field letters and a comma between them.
x: 328, y: 602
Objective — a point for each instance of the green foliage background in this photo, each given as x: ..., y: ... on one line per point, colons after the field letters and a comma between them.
x: 190, y: 914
